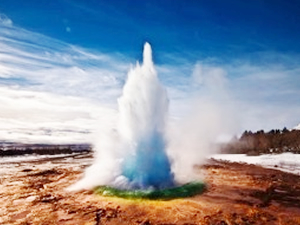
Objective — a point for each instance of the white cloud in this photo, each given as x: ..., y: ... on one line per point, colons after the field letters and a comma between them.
x: 37, y: 116
x: 265, y: 95
x: 268, y: 95
x: 40, y: 63
x: 264, y: 92
x: 4, y: 20
x: 215, y: 77
x: 51, y: 91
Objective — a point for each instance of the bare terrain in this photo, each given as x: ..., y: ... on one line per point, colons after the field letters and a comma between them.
x: 32, y: 192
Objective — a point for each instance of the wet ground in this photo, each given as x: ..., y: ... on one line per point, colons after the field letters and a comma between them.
x: 32, y: 192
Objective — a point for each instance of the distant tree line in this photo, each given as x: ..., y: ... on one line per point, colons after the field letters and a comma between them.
x: 261, y: 142
x: 13, y: 149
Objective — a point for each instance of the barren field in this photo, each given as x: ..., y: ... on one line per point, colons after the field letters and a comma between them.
x: 32, y: 192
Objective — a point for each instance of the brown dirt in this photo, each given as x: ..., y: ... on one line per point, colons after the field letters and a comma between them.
x: 33, y: 193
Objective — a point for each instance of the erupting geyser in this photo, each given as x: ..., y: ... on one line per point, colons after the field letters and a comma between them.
x: 132, y: 160
x: 143, y: 108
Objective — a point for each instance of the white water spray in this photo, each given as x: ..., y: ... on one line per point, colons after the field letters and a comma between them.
x: 134, y: 157
x: 143, y: 108
x: 133, y: 154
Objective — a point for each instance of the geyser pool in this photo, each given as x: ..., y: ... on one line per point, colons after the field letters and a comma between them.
x: 186, y: 190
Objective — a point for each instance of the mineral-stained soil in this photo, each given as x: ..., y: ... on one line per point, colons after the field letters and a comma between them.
x: 33, y: 192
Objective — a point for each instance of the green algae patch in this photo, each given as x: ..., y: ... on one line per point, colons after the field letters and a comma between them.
x: 186, y: 190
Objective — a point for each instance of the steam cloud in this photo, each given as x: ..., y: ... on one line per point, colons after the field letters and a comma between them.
x: 145, y: 150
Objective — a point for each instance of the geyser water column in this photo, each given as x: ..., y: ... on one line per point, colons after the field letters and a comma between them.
x: 143, y: 109
x: 146, y: 169
x: 131, y: 160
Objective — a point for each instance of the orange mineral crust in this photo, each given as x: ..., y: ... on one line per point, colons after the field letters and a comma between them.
x: 33, y: 192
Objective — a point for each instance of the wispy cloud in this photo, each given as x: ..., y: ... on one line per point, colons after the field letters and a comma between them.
x: 4, y: 20
x: 32, y: 116
x: 42, y: 63
x: 263, y: 88
x: 53, y: 91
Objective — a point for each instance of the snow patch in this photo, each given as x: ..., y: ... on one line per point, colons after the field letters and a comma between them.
x: 287, y: 162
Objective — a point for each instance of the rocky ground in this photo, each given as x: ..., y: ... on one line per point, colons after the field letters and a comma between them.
x: 32, y: 192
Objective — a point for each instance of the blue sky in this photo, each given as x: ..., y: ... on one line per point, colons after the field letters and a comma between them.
x: 207, y: 28
x: 248, y: 51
